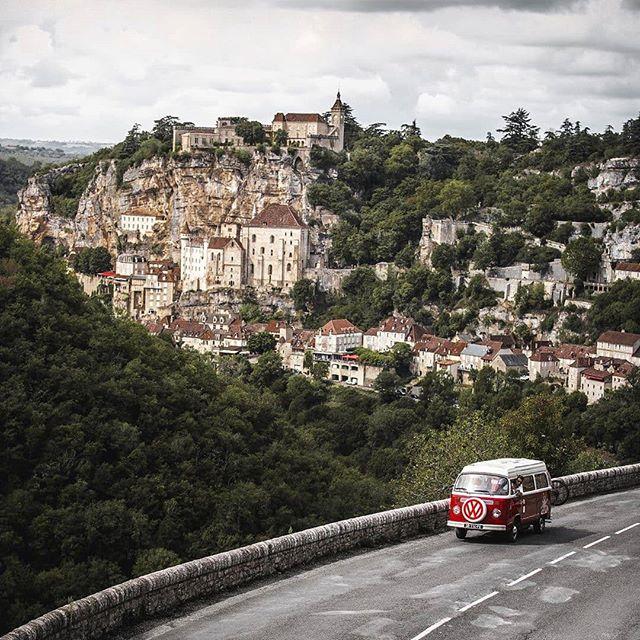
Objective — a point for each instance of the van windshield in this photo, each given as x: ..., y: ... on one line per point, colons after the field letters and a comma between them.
x: 482, y: 483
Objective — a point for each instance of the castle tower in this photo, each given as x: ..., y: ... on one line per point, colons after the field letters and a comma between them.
x: 337, y: 121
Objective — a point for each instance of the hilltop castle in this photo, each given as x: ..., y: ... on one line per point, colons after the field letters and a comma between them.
x: 303, y: 130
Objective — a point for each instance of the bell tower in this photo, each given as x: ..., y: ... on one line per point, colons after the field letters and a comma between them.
x: 337, y: 121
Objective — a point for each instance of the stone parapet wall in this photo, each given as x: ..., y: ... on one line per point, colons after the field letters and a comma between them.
x: 162, y: 591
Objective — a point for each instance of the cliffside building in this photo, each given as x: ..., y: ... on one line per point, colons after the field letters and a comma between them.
x: 270, y: 252
x: 303, y: 130
x: 277, y: 248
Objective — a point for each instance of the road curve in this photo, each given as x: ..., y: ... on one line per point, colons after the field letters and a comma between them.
x: 579, y: 580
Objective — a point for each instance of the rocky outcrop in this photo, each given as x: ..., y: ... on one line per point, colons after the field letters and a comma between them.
x: 619, y: 245
x: 199, y: 190
x: 36, y: 217
x: 616, y: 173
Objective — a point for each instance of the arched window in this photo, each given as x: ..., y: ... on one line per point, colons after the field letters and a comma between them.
x: 272, y: 239
x: 253, y: 238
x: 261, y: 249
x: 270, y: 270
x: 288, y: 266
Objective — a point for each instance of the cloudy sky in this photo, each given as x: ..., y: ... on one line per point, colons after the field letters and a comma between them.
x: 88, y: 69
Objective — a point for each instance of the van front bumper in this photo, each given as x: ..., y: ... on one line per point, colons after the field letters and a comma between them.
x: 476, y: 526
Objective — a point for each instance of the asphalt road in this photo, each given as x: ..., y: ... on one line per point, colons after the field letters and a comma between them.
x: 569, y: 583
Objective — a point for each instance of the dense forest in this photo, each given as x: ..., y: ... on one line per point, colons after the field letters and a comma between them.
x: 390, y: 179
x: 123, y: 454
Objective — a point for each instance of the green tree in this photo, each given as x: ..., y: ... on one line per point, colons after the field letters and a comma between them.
x: 151, y: 560
x: 582, y: 257
x: 387, y: 384
x: 251, y: 131
x: 436, y: 457
x: 518, y: 132
x: 280, y: 137
x: 443, y: 257
x: 261, y: 342
x: 92, y: 260
x: 456, y: 198
x: 320, y: 370
x: 163, y: 128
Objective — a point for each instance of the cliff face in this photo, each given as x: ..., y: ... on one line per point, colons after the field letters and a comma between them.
x: 199, y: 190
x: 617, y: 173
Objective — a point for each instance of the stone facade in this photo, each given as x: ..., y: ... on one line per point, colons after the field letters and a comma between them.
x: 270, y: 252
x: 162, y: 591
x: 303, y: 130
x: 277, y: 248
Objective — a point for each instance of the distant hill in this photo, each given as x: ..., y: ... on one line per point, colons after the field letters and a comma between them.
x: 46, y: 151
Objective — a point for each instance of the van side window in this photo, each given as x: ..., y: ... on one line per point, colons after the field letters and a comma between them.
x: 527, y: 483
x: 542, y: 482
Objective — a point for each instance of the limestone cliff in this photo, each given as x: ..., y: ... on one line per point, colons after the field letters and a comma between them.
x: 616, y: 173
x: 200, y: 190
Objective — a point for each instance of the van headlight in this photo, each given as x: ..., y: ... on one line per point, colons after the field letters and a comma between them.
x: 456, y: 510
x: 496, y: 513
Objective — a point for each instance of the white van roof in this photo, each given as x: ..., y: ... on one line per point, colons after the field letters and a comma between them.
x: 510, y: 467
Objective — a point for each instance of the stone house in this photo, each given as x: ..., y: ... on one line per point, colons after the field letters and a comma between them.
x: 348, y: 369
x: 594, y: 383
x: 136, y: 221
x: 542, y: 363
x: 619, y: 344
x: 505, y: 362
x: 394, y: 329
x: 471, y: 356
x: 338, y: 336
x: 625, y: 271
x: 567, y: 354
x: 430, y: 353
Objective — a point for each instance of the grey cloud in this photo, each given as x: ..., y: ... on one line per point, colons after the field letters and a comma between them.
x: 46, y: 74
x: 382, y: 6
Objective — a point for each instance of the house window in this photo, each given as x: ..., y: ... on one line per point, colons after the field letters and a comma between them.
x: 253, y: 238
x: 262, y: 250
x: 271, y: 239
x: 288, y: 266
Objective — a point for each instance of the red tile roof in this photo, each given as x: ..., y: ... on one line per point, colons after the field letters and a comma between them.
x: 627, y: 266
x: 277, y: 215
x: 596, y: 374
x: 543, y: 356
x: 619, y: 337
x: 572, y: 351
x: 218, y: 243
x: 341, y: 325
x: 304, y: 117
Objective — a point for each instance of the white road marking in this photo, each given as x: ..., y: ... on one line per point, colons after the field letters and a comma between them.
x: 566, y: 555
x: 637, y: 524
x: 524, y: 577
x: 478, y: 601
x: 433, y: 627
x: 592, y: 544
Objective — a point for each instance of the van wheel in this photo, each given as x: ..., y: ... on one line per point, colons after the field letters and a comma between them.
x: 539, y: 525
x: 461, y: 534
x: 512, y: 536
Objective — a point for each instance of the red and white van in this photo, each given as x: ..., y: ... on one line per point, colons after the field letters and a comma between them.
x: 507, y: 495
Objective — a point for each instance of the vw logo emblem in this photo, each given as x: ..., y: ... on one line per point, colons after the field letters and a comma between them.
x: 474, y: 510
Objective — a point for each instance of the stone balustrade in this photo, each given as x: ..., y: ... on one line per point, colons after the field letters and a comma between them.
x: 162, y: 591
